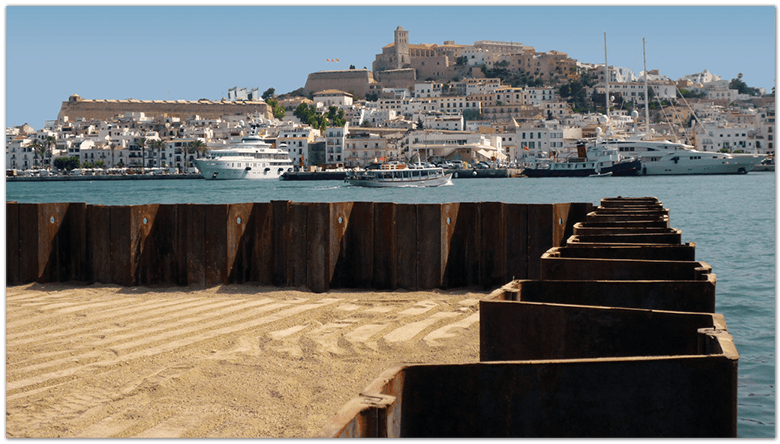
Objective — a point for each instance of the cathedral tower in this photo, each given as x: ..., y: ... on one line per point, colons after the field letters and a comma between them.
x: 402, y: 58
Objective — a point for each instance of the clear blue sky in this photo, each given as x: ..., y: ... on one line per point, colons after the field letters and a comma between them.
x: 193, y: 52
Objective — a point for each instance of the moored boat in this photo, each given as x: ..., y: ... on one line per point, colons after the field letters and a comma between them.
x: 250, y: 158
x: 396, y: 174
x: 592, y: 161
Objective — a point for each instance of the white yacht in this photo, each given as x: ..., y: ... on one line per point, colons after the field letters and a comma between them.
x: 662, y: 157
x: 250, y: 158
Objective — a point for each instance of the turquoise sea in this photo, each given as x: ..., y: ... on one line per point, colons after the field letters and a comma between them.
x: 731, y: 219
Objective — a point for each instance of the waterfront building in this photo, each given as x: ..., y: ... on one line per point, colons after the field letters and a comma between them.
x: 452, y: 145
x: 335, y: 139
x: 297, y: 140
x: 363, y: 149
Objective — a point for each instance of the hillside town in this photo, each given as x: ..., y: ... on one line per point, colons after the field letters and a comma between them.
x: 494, y: 102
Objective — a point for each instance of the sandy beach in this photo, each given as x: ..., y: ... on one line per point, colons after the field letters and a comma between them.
x: 234, y: 361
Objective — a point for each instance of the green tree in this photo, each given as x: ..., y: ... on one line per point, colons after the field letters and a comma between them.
x: 742, y: 87
x: 277, y: 110
x: 100, y: 164
x: 268, y: 94
x: 67, y: 163
x: 159, y: 145
x: 336, y: 116
x: 351, y: 66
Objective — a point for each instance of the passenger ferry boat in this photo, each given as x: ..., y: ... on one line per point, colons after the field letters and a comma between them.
x: 250, y: 158
x: 396, y: 174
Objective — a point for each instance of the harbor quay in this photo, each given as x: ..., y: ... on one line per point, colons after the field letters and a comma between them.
x: 595, y: 325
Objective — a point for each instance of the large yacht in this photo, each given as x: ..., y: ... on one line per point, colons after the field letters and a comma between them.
x: 662, y: 157
x: 250, y: 158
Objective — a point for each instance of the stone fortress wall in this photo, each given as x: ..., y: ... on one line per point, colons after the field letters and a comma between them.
x: 76, y: 107
x: 353, y: 81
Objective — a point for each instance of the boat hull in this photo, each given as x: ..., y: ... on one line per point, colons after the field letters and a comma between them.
x: 397, y: 183
x: 735, y: 165
x: 215, y: 170
x: 626, y: 168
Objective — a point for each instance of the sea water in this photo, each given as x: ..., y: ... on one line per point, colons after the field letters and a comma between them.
x: 730, y: 218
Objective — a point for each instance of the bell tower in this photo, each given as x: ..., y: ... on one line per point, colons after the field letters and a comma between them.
x: 402, y: 58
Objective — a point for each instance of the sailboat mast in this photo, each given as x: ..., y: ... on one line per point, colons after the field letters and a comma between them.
x: 606, y: 75
x: 647, y: 103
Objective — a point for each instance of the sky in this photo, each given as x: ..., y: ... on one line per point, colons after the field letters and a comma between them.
x: 191, y: 52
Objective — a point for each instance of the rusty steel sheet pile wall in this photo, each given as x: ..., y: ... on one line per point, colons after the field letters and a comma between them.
x: 281, y: 243
x: 617, y: 339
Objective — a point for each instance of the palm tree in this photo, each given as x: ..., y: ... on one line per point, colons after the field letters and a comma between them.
x: 50, y: 142
x: 39, y: 149
x: 112, y: 147
x: 142, y: 144
x: 158, y: 144
x: 197, y: 147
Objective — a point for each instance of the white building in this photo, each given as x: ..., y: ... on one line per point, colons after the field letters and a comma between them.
x: 333, y: 97
x: 453, y: 145
x: 700, y: 78
x: 236, y: 93
x: 537, y: 96
x: 363, y: 150
x: 297, y: 141
x: 335, y: 140
x: 481, y: 86
x: 540, y: 138
x: 720, y: 136
x: 427, y: 89
x: 475, y: 56
x: 439, y: 121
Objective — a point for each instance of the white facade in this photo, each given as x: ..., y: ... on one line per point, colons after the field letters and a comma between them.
x: 453, y: 145
x: 335, y: 139
x: 333, y: 97
x: 636, y: 90
x: 473, y: 88
x: 236, y: 93
x: 537, y: 96
x: 701, y: 77
x: 717, y: 136
x: 427, y: 89
x: 474, y: 56
x: 540, y: 139
x: 362, y: 151
x: 439, y: 121
x: 297, y: 141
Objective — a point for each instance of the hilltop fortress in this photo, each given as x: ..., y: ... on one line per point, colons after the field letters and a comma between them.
x: 402, y: 64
